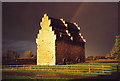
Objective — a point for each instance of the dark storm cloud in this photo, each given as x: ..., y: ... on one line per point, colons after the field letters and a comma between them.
x: 98, y: 22
x: 19, y: 46
x: 24, y: 18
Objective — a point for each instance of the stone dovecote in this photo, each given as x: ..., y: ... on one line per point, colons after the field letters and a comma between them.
x: 59, y: 42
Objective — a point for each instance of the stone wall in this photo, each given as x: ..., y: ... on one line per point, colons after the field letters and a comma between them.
x: 69, y: 52
x: 46, y: 43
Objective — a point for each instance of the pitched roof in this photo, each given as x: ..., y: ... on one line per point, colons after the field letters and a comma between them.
x: 66, y: 30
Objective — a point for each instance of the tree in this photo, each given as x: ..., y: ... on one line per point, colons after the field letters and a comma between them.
x: 10, y: 54
x: 116, y: 48
x: 28, y: 54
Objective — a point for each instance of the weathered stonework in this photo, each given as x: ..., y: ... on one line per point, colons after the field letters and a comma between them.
x: 70, y: 52
x: 46, y: 43
x: 59, y: 42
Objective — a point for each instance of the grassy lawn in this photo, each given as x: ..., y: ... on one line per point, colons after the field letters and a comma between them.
x: 72, y: 69
x: 28, y: 77
x: 65, y: 73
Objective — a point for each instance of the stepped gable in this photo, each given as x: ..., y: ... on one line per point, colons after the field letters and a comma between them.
x: 59, y: 42
x: 72, y: 28
x: 74, y: 31
x: 69, y: 32
x: 57, y: 24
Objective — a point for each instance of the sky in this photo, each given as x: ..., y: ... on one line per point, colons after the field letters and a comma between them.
x: 98, y: 22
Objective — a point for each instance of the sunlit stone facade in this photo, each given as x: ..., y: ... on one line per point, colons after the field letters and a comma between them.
x: 46, y: 43
x: 59, y: 42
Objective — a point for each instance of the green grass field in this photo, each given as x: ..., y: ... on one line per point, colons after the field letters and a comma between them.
x: 85, y: 69
x: 75, y: 69
x: 28, y: 77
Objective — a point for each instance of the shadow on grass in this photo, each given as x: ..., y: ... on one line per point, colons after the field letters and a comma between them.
x: 115, y: 76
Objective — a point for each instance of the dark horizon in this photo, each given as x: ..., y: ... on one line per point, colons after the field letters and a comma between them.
x: 98, y: 22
